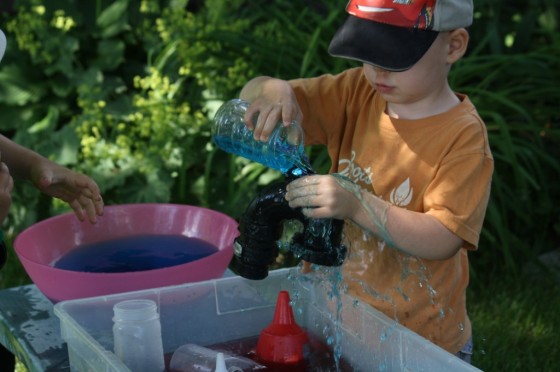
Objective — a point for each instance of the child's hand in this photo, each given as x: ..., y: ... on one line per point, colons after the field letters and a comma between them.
x: 6, y: 186
x: 274, y: 103
x: 78, y: 190
x: 324, y: 196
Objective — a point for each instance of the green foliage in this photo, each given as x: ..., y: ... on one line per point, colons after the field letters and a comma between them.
x: 60, y: 65
x: 102, y: 89
x: 511, y: 75
x: 520, y: 112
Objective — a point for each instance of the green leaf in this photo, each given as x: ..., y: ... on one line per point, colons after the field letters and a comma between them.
x: 114, y: 19
x: 62, y: 86
x: 49, y: 121
x: 110, y: 54
x: 68, y: 146
x: 17, y: 89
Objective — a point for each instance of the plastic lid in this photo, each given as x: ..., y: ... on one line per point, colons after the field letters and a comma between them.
x: 282, y: 342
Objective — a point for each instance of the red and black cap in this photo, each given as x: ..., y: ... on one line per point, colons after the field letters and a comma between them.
x: 395, y: 34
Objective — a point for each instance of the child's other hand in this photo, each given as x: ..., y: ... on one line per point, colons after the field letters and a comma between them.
x: 78, y: 190
x: 275, y: 103
x: 324, y: 196
x: 6, y: 186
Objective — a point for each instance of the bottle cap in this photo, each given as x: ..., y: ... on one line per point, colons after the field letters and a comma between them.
x: 282, y: 342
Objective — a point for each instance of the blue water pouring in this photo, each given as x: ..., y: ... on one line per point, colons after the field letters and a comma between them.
x: 283, y: 151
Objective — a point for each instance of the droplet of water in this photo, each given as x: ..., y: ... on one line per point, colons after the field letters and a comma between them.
x: 432, y: 291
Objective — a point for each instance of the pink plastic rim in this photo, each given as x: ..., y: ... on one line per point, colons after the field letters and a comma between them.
x: 42, y: 243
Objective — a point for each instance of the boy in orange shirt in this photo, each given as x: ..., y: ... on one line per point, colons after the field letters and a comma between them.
x: 411, y: 164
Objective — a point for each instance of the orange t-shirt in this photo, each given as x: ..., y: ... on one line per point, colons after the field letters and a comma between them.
x: 440, y: 165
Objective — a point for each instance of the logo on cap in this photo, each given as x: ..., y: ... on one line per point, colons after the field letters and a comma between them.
x: 403, y: 13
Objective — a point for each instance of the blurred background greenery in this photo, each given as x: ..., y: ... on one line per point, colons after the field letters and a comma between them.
x: 124, y: 90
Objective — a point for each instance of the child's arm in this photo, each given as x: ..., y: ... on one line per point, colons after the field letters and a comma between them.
x: 6, y: 186
x: 332, y: 196
x: 78, y: 190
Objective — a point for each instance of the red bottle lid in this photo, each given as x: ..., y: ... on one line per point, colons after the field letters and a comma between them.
x: 282, y: 342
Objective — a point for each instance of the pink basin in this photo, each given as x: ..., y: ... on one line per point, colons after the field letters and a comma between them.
x: 43, y: 243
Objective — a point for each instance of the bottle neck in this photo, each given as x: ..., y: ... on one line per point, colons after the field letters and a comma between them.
x: 135, y: 311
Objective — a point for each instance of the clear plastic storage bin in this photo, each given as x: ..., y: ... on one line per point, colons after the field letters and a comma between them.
x: 227, y: 309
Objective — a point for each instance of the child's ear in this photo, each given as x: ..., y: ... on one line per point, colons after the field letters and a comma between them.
x: 458, y: 41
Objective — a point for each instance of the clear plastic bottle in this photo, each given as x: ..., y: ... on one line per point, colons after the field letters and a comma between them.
x: 137, y: 335
x: 283, y: 151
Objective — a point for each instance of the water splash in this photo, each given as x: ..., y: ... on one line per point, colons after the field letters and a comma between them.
x: 412, y: 269
x: 379, y: 219
x: 329, y: 279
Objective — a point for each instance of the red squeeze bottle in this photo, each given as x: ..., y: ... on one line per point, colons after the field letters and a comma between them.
x: 283, y: 340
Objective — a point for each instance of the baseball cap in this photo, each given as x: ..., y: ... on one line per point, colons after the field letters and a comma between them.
x: 2, y: 44
x: 395, y: 34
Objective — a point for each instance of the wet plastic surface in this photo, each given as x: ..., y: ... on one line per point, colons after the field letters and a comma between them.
x: 29, y: 329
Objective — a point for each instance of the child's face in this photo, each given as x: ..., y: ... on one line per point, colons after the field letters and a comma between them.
x: 420, y: 82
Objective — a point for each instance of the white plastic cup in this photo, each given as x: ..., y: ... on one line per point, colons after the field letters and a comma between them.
x: 137, y: 335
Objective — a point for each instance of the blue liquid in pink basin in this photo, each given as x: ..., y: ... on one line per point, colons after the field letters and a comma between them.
x: 135, y: 253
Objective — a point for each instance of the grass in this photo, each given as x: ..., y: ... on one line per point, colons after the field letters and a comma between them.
x: 516, y: 323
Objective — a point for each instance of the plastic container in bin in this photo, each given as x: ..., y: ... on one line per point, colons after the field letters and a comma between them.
x: 228, y: 309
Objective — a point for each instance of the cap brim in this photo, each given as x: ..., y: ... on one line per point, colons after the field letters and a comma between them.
x: 389, y: 47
